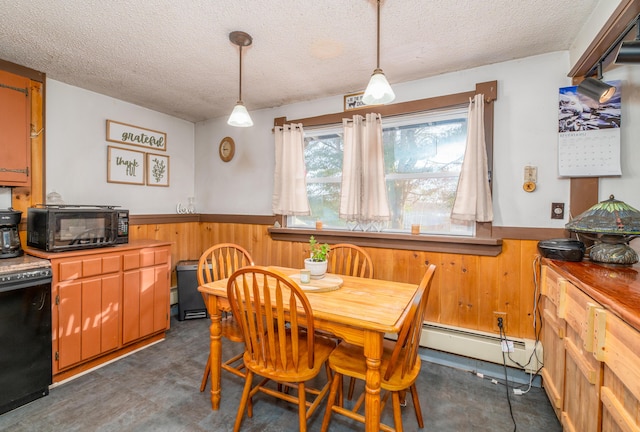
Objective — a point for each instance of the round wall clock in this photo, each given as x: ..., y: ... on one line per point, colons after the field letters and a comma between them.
x: 227, y: 149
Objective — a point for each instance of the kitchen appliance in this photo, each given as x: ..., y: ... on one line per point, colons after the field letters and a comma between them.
x: 563, y: 249
x: 10, y: 246
x: 56, y: 228
x: 25, y: 331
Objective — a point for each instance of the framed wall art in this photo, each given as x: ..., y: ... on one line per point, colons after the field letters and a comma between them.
x: 125, y: 166
x: 353, y: 101
x: 157, y: 170
x: 123, y: 133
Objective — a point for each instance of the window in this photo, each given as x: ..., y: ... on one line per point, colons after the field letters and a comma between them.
x: 423, y: 156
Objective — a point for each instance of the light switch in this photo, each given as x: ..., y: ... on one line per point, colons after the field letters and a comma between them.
x: 531, y: 174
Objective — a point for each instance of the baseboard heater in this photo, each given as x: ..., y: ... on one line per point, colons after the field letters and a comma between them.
x: 480, y: 345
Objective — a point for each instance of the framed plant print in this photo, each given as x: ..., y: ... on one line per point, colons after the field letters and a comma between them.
x: 157, y: 170
x: 125, y: 166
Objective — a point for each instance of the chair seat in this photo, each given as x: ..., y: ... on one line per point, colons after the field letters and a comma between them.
x: 349, y: 360
x: 304, y: 372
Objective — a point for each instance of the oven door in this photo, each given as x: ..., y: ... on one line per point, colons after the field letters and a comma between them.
x: 25, y: 338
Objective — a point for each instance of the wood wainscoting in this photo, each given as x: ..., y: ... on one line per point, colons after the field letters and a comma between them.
x: 466, y: 290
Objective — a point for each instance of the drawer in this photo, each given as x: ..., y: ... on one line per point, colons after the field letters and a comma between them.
x: 85, y: 267
x: 145, y: 258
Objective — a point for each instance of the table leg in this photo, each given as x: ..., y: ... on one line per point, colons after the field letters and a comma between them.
x: 215, y: 350
x: 373, y: 354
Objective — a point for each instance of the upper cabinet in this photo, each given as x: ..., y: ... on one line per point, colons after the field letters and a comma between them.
x: 15, y: 114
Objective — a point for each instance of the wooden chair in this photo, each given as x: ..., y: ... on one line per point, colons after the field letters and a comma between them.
x: 350, y: 260
x: 399, y: 367
x: 280, y: 343
x: 219, y: 262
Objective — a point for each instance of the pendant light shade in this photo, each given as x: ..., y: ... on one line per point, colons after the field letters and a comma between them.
x: 240, y: 116
x: 378, y: 91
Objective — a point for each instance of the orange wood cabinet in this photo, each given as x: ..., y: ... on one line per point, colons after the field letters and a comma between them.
x: 15, y: 115
x: 591, y: 355
x: 145, y: 304
x: 106, y: 302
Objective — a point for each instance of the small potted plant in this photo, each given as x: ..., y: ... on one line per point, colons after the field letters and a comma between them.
x: 317, y: 261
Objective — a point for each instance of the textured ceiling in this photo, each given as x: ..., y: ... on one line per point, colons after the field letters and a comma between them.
x: 175, y: 56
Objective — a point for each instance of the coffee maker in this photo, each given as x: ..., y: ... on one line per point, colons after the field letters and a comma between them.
x: 9, y: 239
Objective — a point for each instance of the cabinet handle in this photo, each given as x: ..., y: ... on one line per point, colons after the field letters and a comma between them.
x: 599, y: 333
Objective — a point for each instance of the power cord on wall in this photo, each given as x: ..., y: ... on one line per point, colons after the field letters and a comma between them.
x: 506, y: 378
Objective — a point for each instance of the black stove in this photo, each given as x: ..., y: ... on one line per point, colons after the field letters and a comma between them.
x: 25, y: 330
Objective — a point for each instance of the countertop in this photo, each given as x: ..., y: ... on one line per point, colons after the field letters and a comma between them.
x: 615, y: 287
x: 135, y: 244
x: 22, y: 263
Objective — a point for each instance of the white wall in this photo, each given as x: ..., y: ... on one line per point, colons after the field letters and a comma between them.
x: 525, y: 134
x: 76, y: 151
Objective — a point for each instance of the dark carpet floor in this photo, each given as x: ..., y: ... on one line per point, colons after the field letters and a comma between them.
x: 157, y: 389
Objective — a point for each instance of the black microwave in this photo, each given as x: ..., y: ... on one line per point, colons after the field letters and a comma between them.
x: 57, y: 228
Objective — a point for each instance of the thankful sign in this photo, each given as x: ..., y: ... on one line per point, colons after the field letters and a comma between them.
x: 123, y: 133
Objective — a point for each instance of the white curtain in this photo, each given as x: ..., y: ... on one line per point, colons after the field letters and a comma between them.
x: 473, y: 196
x: 363, y: 197
x: 289, y: 183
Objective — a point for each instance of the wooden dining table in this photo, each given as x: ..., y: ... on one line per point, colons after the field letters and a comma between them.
x: 360, y: 312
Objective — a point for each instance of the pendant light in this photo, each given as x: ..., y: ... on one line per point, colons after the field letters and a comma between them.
x: 378, y: 91
x: 240, y: 116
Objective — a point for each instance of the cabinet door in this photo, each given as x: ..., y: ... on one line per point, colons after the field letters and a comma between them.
x: 161, y: 299
x: 620, y: 393
x: 145, y: 302
x: 69, y: 311
x: 88, y: 316
x: 131, y: 306
x: 15, y: 146
x: 553, y: 333
x: 583, y: 373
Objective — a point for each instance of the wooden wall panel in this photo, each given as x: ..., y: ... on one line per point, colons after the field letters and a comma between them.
x: 465, y: 292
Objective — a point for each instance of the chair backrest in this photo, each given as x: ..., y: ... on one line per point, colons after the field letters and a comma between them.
x: 405, y: 352
x: 350, y: 260
x: 220, y: 261
x: 272, y: 309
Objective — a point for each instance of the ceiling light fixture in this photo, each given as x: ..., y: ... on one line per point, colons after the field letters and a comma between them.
x: 240, y: 116
x: 378, y: 91
x: 629, y: 51
x: 596, y: 89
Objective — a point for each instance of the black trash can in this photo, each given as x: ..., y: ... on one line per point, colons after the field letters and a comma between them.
x: 190, y: 303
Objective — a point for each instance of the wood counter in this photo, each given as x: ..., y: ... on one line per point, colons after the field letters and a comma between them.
x: 616, y: 288
x: 591, y: 339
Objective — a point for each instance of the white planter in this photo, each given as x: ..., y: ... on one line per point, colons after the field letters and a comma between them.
x: 317, y: 268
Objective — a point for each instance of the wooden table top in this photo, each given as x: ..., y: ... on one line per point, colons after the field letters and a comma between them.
x: 370, y: 304
x: 615, y: 287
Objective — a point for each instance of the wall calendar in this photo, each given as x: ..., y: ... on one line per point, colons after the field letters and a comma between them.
x: 588, y: 134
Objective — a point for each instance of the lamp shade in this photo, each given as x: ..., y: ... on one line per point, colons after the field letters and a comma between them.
x: 611, y: 224
x: 629, y: 52
x: 378, y: 91
x: 240, y: 116
x: 596, y: 89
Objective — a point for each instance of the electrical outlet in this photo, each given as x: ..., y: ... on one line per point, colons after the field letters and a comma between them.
x: 497, y: 315
x: 557, y: 210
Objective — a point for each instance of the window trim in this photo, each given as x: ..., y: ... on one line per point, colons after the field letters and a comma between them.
x: 470, y: 245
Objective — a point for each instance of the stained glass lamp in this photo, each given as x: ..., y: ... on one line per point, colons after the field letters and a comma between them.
x: 611, y: 224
